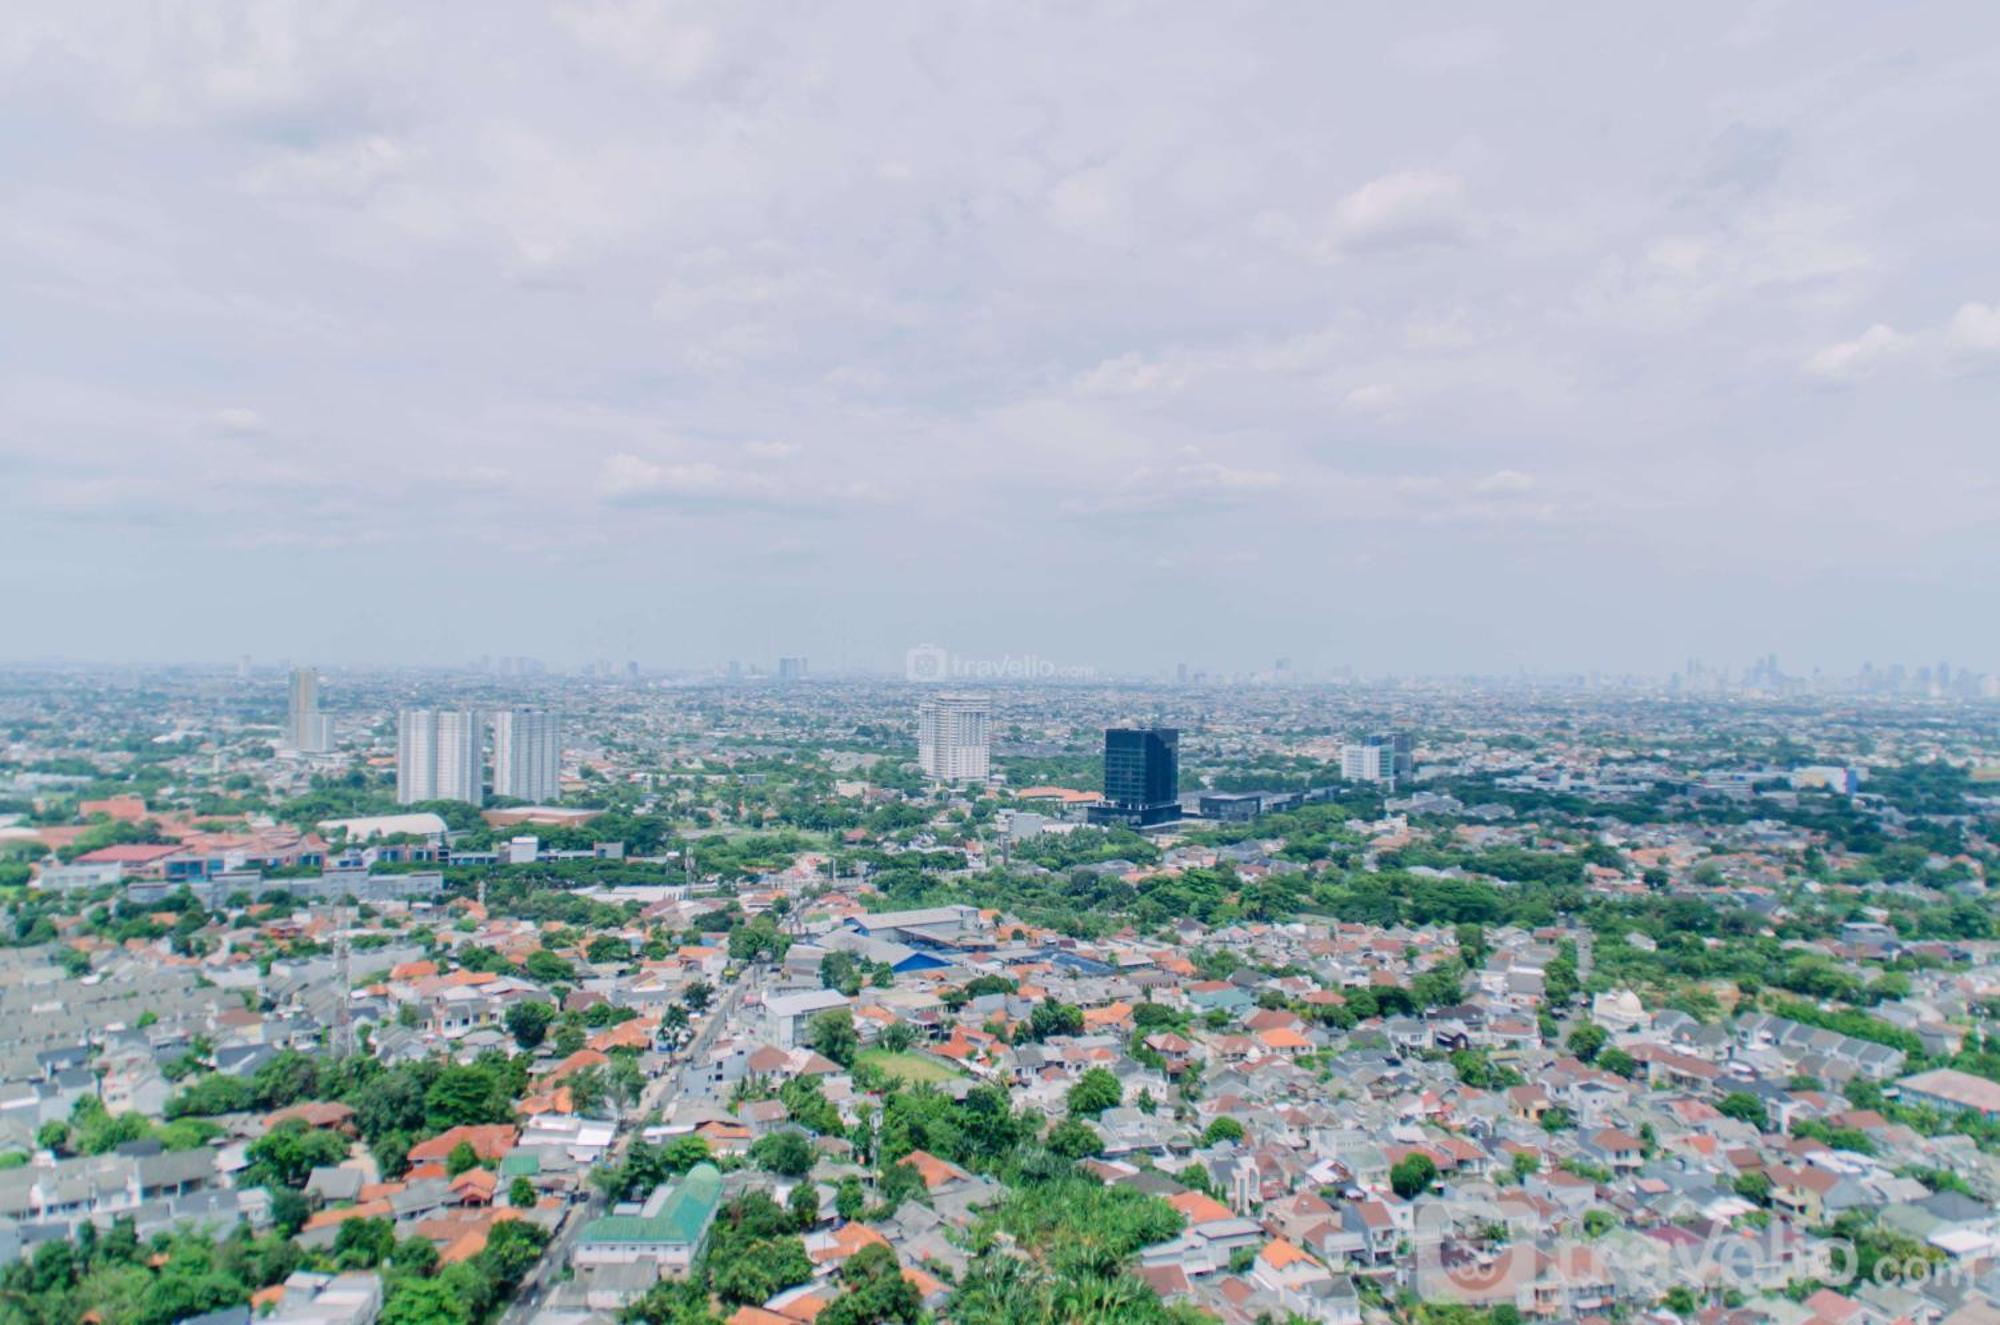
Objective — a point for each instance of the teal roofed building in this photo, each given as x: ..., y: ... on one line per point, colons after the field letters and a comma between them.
x: 669, y: 1233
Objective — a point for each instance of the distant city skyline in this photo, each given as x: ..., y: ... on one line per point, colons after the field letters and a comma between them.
x: 1754, y: 671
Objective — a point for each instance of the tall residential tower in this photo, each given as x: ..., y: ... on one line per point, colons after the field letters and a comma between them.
x: 305, y: 729
x: 527, y: 754
x: 439, y: 756
x: 953, y: 737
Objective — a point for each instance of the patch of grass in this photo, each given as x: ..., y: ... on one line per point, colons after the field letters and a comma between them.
x: 914, y: 1069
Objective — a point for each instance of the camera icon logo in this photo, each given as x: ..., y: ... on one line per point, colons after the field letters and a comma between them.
x: 1453, y: 1263
x: 926, y: 663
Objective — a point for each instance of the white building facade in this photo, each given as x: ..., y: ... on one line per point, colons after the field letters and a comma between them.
x: 1367, y: 763
x: 305, y: 729
x: 439, y: 756
x: 954, y: 737
x: 527, y: 755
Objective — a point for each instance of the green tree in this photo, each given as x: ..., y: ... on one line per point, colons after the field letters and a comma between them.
x: 363, y: 1244
x: 1587, y: 1041
x: 521, y: 1193
x: 832, y: 1033
x: 786, y: 1153
x: 1053, y: 1018
x: 1095, y: 1091
x: 1072, y: 1138
x: 1412, y: 1175
x: 546, y: 968
x: 528, y: 1023
x: 288, y: 1153
x: 1744, y: 1108
x: 675, y: 1302
x: 424, y: 1302
x: 804, y: 1205
x: 1223, y: 1128
x: 1614, y: 1059
x: 462, y: 1158
x: 1754, y: 1185
x: 874, y: 1292
x: 465, y: 1095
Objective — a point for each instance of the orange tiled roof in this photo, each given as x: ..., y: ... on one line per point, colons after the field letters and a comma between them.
x: 934, y: 1171
x: 366, y: 1210
x: 1279, y: 1253
x: 846, y: 1241
x: 1199, y: 1208
x: 488, y: 1140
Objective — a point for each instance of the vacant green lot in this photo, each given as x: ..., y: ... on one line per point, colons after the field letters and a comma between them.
x: 912, y: 1068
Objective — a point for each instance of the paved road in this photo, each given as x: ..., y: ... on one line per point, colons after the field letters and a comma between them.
x: 667, y: 1085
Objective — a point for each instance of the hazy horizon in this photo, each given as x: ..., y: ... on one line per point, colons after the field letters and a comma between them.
x: 1452, y: 342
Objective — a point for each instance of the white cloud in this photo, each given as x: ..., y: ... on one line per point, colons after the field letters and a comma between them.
x: 1850, y: 360
x: 1975, y: 329
x: 1451, y: 52
x: 1130, y: 375
x: 239, y: 421
x: 1377, y: 398
x: 647, y: 35
x: 1505, y: 481
x: 1190, y: 487
x: 1414, y: 207
x: 344, y: 169
x: 629, y: 480
x: 1092, y: 205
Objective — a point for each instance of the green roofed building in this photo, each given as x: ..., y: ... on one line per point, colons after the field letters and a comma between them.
x: 670, y: 1233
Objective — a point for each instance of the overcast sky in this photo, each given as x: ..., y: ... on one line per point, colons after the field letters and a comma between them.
x: 1441, y: 339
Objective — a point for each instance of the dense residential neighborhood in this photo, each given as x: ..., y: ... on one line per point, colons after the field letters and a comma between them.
x: 1682, y: 1019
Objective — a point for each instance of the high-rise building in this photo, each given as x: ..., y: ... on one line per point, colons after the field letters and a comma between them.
x: 954, y: 737
x: 1142, y: 776
x: 1367, y: 763
x: 438, y: 756
x: 306, y: 730
x: 791, y: 669
x: 527, y: 754
x: 1400, y: 758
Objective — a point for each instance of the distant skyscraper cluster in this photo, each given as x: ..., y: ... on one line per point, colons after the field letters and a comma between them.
x: 791, y: 669
x: 954, y: 741
x: 440, y: 755
x: 307, y: 730
x: 527, y: 754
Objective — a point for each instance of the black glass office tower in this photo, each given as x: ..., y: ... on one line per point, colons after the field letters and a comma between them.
x: 1142, y: 776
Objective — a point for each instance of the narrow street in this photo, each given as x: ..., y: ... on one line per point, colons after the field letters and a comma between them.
x: 658, y: 1094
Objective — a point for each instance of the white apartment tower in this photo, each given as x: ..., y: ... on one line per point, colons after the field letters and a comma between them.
x: 1367, y: 763
x: 305, y: 730
x: 527, y: 754
x: 439, y: 756
x: 954, y: 737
